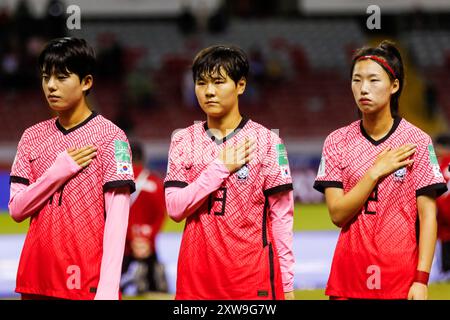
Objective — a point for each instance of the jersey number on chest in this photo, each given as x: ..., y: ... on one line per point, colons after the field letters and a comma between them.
x: 370, y: 205
x: 217, y: 201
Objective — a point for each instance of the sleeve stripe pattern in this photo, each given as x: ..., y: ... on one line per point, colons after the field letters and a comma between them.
x: 440, y: 189
x: 118, y: 184
x: 322, y: 185
x: 178, y: 184
x: 15, y: 179
x: 280, y: 188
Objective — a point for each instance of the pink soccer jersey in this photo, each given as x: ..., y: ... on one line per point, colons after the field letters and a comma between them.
x: 227, y: 250
x: 376, y: 254
x: 62, y: 253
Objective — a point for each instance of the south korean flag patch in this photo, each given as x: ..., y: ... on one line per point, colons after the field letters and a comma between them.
x: 124, y: 168
x: 122, y: 157
x: 285, y: 172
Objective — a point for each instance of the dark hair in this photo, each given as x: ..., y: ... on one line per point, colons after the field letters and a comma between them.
x: 230, y: 59
x: 68, y: 55
x: 387, y: 51
x: 137, y: 151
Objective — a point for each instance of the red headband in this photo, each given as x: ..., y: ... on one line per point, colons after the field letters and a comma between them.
x: 380, y: 60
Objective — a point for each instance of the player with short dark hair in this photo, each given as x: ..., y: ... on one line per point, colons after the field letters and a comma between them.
x: 229, y: 178
x: 381, y: 178
x: 72, y: 176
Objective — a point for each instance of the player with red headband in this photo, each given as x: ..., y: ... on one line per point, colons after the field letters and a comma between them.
x: 381, y: 179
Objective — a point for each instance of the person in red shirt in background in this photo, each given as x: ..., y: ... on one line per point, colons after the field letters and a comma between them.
x: 443, y: 203
x: 141, y: 270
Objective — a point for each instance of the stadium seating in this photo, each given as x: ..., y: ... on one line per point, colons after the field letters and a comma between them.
x: 307, y: 95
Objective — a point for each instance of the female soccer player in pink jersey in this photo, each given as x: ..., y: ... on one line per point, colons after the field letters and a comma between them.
x: 72, y: 177
x: 229, y: 178
x: 380, y: 177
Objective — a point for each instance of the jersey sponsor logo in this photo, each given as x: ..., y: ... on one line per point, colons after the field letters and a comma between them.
x: 122, y: 156
x: 400, y: 174
x: 121, y: 151
x: 432, y: 154
x: 321, y: 171
x: 242, y: 173
x: 282, y: 154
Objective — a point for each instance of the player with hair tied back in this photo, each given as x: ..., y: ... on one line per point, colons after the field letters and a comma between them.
x: 229, y: 178
x: 381, y: 179
x: 72, y: 177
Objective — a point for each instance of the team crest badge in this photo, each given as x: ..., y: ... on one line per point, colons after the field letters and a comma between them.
x: 242, y: 173
x: 400, y: 174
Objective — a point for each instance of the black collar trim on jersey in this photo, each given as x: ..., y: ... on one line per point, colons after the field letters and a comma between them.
x: 228, y: 137
x: 377, y: 142
x: 67, y: 131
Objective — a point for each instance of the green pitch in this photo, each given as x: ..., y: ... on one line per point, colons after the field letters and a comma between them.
x: 437, y: 291
x: 307, y: 217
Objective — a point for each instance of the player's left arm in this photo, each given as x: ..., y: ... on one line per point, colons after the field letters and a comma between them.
x: 426, y: 206
x: 117, y: 207
x: 281, y: 209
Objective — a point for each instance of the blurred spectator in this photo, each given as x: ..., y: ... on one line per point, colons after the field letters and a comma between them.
x: 110, y: 56
x: 123, y: 118
x: 10, y: 67
x: 55, y: 19
x: 188, y: 90
x: 303, y: 180
x: 24, y: 23
x: 442, y: 143
x: 141, y: 270
x: 187, y: 23
x: 431, y: 99
x: 219, y: 20
x: 140, y: 88
x: 257, y: 65
x: 5, y: 24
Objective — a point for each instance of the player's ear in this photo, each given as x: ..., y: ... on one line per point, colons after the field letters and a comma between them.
x: 241, y: 85
x: 87, y: 83
x: 395, y: 86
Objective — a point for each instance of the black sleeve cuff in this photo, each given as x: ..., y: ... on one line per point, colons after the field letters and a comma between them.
x: 439, y: 188
x: 119, y: 183
x: 15, y: 179
x: 280, y: 188
x: 172, y: 183
x: 322, y: 185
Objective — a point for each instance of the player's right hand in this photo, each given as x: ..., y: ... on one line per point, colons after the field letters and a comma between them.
x: 83, y: 156
x: 391, y: 160
x: 235, y: 156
